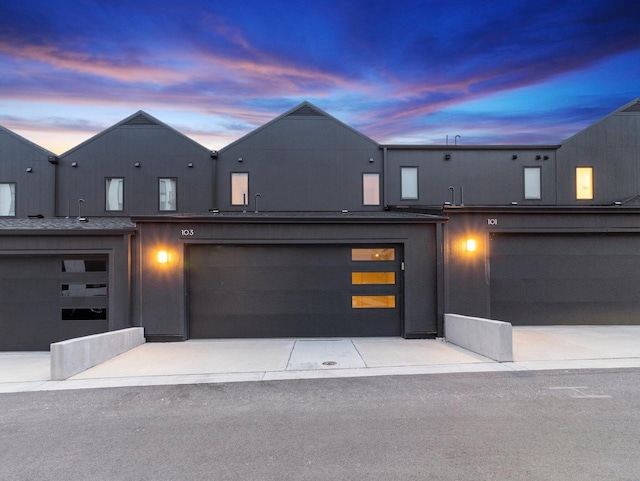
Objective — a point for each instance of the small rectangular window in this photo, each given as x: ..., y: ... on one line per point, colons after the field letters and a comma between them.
x: 84, y: 314
x: 409, y: 183
x: 84, y: 265
x: 84, y: 290
x: 373, y: 302
x: 584, y: 183
x: 240, y: 188
x: 373, y: 254
x: 7, y: 199
x: 368, y: 278
x: 115, y: 194
x: 371, y: 189
x: 532, y: 183
x: 167, y: 194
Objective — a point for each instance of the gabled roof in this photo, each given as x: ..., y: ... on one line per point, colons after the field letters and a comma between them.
x: 628, y: 108
x: 139, y: 118
x: 25, y: 141
x: 304, y: 109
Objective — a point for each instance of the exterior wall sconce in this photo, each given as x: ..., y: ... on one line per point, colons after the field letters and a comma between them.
x: 514, y: 157
x: 29, y: 169
x: 53, y: 159
x: 470, y: 245
x: 74, y: 164
x: 239, y: 159
x: 538, y: 157
x: 137, y: 165
x: 190, y: 165
x: 371, y: 160
x: 447, y: 156
x: 163, y: 257
x: 546, y: 157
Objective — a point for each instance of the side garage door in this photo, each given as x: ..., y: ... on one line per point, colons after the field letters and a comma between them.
x: 543, y: 279
x: 46, y: 299
x: 293, y: 291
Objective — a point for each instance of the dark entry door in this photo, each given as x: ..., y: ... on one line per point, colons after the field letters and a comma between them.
x: 289, y: 291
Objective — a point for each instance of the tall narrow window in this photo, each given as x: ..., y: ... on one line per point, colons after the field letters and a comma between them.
x: 167, y: 189
x: 532, y: 183
x: 409, y: 183
x: 8, y: 198
x: 371, y: 189
x: 115, y: 194
x: 584, y: 183
x: 239, y: 188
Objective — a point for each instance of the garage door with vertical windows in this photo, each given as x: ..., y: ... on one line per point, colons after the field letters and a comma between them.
x: 545, y: 279
x: 46, y: 299
x: 293, y: 291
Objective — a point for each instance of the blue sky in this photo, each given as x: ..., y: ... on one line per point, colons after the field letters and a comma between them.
x: 505, y: 71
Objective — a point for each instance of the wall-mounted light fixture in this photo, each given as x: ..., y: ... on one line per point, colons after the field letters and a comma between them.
x: 447, y: 156
x: 52, y: 159
x: 546, y: 157
x: 162, y: 257
x: 538, y: 157
x: 29, y: 169
x: 371, y: 160
x: 74, y: 164
x: 514, y: 157
x: 137, y: 165
x: 470, y: 245
x: 190, y: 165
x: 239, y: 159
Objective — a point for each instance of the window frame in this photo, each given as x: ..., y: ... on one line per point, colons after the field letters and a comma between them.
x: 538, y: 194
x: 578, y: 178
x: 12, y: 201
x: 106, y: 198
x: 371, y: 175
x: 232, y: 185
x: 416, y: 187
x: 175, y: 189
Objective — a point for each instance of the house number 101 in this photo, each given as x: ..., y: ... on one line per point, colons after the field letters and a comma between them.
x: 492, y: 221
x: 187, y: 232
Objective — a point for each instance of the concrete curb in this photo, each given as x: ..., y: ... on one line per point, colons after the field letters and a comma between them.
x: 489, y: 338
x: 76, y: 355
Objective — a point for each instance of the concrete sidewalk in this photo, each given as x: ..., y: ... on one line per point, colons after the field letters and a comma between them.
x: 240, y: 360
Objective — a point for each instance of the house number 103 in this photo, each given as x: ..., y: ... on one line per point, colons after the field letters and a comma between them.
x: 187, y: 232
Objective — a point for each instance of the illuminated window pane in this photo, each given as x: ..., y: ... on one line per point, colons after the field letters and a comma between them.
x: 373, y: 254
x: 371, y: 189
x: 239, y: 188
x: 409, y: 182
x: 584, y: 183
x: 167, y: 188
x: 373, y: 278
x: 373, y: 302
x: 8, y: 198
x: 115, y: 194
x: 84, y: 290
x: 532, y: 182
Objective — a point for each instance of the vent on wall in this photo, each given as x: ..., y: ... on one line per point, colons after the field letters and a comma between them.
x: 305, y: 111
x: 634, y: 108
x: 140, y: 119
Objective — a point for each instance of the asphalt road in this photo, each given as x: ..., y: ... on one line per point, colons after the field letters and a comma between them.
x: 569, y: 425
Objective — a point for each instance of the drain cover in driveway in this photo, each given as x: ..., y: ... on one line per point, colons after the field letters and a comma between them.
x: 324, y: 354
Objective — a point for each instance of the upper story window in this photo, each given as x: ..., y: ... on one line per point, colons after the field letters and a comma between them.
x: 532, y: 186
x: 371, y: 189
x: 167, y: 189
x: 7, y: 198
x: 114, y: 194
x: 239, y: 188
x: 584, y: 183
x: 409, y: 183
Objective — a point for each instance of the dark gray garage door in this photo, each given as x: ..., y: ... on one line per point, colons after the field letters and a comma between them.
x: 293, y: 291
x: 541, y: 279
x: 48, y: 299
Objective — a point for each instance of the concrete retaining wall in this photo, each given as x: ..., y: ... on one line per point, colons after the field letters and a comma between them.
x: 492, y: 339
x: 79, y: 354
